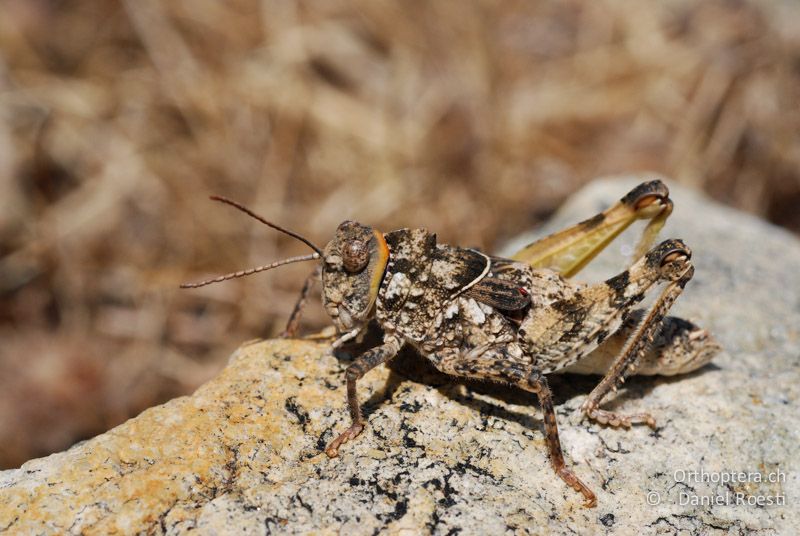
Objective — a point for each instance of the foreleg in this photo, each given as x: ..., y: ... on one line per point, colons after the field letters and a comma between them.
x: 294, y: 319
x: 363, y: 364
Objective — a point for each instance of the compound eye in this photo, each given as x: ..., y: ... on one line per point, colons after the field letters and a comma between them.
x: 355, y: 256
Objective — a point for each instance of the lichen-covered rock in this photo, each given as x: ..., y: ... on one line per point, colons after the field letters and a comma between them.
x: 244, y: 453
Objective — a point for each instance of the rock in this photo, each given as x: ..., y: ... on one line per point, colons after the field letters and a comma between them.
x: 244, y: 453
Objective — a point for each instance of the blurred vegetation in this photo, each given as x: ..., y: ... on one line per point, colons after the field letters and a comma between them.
x: 474, y: 119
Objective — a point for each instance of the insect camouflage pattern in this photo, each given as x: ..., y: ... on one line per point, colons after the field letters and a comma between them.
x: 511, y: 320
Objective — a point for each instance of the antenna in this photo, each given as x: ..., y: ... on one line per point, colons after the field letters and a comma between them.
x: 265, y: 222
x: 249, y: 271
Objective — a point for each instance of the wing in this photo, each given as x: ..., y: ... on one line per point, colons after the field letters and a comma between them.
x: 456, y: 270
x: 500, y: 294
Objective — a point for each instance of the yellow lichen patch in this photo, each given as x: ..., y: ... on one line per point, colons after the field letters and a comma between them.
x: 183, y: 452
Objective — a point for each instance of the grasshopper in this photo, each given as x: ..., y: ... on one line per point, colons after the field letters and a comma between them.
x: 510, y: 320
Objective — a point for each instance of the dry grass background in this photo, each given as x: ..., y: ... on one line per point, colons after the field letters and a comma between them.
x: 476, y: 119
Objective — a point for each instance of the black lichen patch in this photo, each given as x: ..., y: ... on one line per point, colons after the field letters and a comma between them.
x: 411, y: 407
x: 400, y: 509
x: 607, y: 520
x: 297, y: 411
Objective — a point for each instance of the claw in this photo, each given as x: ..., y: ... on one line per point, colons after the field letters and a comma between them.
x: 575, y: 483
x: 333, y: 449
x: 615, y: 420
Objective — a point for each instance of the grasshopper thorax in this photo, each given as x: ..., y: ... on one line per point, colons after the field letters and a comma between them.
x: 353, y: 264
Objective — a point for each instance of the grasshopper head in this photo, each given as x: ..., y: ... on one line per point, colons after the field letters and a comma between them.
x: 352, y: 269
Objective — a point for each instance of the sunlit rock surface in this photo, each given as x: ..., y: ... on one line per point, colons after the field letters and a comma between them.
x: 244, y: 453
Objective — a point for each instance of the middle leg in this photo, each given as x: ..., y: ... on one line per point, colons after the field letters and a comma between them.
x: 502, y: 364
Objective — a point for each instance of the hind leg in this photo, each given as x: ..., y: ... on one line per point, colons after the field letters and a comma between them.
x: 567, y: 330
x: 636, y: 346
x: 679, y: 347
x: 568, y: 251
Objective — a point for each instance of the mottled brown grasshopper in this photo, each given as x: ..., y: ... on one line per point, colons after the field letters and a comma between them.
x: 511, y: 320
